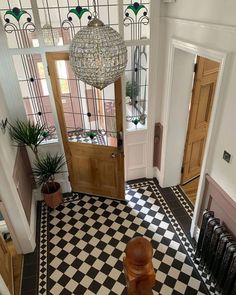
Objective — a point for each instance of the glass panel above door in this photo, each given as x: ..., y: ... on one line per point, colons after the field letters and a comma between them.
x: 136, y: 19
x: 61, y: 20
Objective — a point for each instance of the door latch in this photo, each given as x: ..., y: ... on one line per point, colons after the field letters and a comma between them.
x: 120, y: 144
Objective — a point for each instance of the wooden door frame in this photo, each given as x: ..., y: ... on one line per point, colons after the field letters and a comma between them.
x: 223, y: 60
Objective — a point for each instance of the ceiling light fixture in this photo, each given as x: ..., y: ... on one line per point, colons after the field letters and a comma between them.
x: 50, y: 35
x: 98, y: 54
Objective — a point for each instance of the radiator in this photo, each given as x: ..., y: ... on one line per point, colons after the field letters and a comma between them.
x: 216, y: 254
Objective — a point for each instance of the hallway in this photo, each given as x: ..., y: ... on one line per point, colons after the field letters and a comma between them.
x: 86, y: 237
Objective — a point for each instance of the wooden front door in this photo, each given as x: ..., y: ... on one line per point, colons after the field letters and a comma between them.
x: 199, y: 116
x: 92, y: 131
x: 6, y: 269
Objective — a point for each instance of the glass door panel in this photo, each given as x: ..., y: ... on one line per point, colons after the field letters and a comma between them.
x: 90, y: 114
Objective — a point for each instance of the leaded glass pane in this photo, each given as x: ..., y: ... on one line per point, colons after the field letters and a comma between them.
x: 89, y: 114
x: 31, y: 76
x: 18, y: 22
x: 136, y: 19
x: 61, y: 20
x: 137, y: 80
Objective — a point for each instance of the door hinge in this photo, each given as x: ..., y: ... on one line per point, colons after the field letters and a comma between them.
x: 182, y: 169
x: 48, y: 71
x: 69, y: 178
x: 195, y: 68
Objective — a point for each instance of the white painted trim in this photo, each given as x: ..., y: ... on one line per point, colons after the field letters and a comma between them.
x: 153, y: 87
x: 200, y: 24
x: 9, y: 227
x: 137, y: 167
x: 3, y: 288
x: 156, y: 173
x: 196, y: 233
x: 136, y: 143
x: 3, y: 226
x: 220, y: 57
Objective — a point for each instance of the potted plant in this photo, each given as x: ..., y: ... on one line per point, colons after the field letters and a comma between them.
x: 29, y: 134
x: 45, y: 169
x: 132, y: 90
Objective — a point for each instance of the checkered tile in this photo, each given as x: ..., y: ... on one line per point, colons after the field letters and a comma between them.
x: 82, y: 245
x: 183, y: 201
x: 98, y: 139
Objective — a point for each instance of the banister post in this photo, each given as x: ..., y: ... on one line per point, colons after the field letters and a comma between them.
x: 138, y: 267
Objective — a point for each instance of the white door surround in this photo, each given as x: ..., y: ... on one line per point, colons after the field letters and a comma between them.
x: 170, y: 171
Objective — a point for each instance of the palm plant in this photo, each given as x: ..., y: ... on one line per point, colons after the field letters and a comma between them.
x: 45, y: 169
x: 28, y: 133
x: 132, y: 89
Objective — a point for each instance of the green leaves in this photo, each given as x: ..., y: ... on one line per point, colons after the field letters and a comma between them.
x: 47, y: 166
x: 132, y: 89
x: 79, y: 11
x: 16, y: 13
x: 27, y: 133
x: 136, y: 7
x: 91, y: 134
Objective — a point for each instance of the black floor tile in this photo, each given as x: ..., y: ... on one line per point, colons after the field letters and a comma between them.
x: 28, y: 284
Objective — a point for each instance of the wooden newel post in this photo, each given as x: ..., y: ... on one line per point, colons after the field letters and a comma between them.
x: 138, y: 267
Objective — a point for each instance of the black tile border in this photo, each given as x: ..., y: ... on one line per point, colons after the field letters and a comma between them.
x: 29, y: 284
x: 185, y: 196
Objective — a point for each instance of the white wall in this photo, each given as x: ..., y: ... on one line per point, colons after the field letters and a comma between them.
x: 220, y: 38
x: 8, y: 192
x: 214, y: 11
x: 175, y: 133
x: 3, y: 288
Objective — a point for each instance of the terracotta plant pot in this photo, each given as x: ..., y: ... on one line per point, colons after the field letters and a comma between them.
x: 52, y: 194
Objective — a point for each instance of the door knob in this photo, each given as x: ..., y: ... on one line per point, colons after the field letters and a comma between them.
x: 114, y: 155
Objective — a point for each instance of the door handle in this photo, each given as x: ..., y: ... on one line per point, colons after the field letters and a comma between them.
x: 120, y: 144
x: 115, y: 155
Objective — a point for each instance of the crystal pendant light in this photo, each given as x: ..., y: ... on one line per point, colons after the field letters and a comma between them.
x: 98, y: 54
x: 50, y: 35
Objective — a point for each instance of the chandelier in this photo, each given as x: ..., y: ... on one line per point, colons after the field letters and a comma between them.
x: 98, y: 54
x: 50, y: 35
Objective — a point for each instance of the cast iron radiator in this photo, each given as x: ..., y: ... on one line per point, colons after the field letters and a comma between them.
x: 216, y: 253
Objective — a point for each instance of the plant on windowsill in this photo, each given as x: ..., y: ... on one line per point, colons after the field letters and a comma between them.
x: 132, y: 91
x: 45, y: 169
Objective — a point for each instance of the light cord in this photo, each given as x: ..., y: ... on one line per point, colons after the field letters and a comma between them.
x: 45, y: 14
x: 95, y: 8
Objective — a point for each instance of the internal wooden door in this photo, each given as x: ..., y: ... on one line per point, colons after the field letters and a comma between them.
x: 92, y: 131
x: 6, y: 269
x: 199, y: 116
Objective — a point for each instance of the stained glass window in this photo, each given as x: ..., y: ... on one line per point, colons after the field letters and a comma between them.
x: 58, y: 22
x: 90, y: 114
x: 61, y: 20
x: 136, y: 88
x: 136, y: 20
x: 34, y: 90
x: 18, y: 21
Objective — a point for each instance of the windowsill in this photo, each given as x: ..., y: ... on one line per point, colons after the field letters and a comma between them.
x: 136, y: 128
x: 49, y: 141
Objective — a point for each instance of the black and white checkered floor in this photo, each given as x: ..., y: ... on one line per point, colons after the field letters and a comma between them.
x: 82, y: 244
